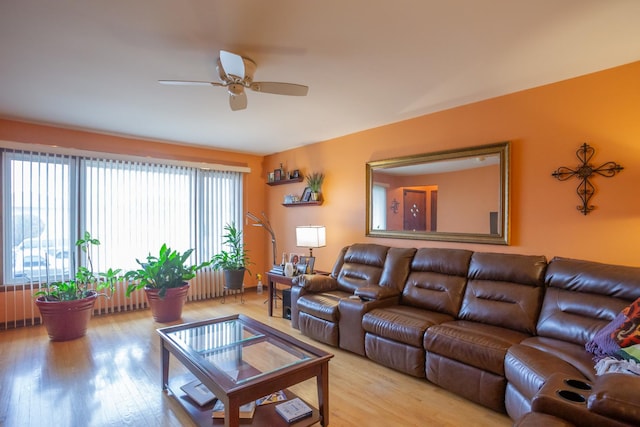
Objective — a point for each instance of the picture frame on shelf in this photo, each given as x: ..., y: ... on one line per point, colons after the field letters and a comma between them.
x: 294, y: 258
x: 309, y: 261
x: 271, y: 177
x: 277, y: 174
x: 295, y: 174
x: 306, y: 194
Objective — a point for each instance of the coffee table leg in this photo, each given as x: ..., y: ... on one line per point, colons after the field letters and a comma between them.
x: 165, y: 365
x: 323, y: 393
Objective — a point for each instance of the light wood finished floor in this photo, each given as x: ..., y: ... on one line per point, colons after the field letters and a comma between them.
x: 111, y: 377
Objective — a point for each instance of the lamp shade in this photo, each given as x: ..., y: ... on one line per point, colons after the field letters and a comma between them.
x: 311, y: 236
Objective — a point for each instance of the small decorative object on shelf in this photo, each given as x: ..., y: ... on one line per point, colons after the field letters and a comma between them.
x: 314, y: 181
x: 585, y: 171
x: 293, y: 410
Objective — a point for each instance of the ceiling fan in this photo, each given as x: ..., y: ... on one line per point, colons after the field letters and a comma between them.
x: 236, y: 74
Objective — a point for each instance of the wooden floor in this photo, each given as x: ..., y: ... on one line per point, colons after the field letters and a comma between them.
x: 111, y: 377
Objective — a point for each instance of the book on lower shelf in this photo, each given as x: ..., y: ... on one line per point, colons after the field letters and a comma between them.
x: 293, y: 410
x: 277, y: 396
x: 246, y: 411
x: 198, y: 392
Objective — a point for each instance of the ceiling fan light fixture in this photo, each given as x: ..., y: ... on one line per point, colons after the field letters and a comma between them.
x: 236, y: 74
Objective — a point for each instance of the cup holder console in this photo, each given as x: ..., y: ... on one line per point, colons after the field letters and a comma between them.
x: 581, y: 385
x: 566, y: 398
x: 572, y: 396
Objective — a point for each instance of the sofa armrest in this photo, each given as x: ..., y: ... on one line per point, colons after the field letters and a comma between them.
x: 316, y: 282
x: 616, y: 396
x: 369, y: 293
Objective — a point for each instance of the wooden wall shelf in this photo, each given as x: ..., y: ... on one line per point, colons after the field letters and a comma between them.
x: 286, y: 181
x: 289, y: 205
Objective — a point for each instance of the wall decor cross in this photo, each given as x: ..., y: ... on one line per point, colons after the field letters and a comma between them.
x: 585, y: 171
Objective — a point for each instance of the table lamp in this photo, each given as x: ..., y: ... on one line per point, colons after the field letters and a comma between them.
x: 311, y: 236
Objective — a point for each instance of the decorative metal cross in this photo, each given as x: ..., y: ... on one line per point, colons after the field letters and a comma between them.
x: 583, y: 172
x: 394, y: 206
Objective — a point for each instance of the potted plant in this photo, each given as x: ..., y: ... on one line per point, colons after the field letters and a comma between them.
x: 164, y: 279
x: 314, y: 181
x: 232, y: 262
x: 66, y: 306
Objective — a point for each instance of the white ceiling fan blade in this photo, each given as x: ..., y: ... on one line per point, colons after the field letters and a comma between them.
x: 232, y: 64
x: 238, y: 102
x: 188, y: 83
x: 280, y: 88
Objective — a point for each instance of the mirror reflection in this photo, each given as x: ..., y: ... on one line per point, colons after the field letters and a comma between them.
x: 458, y: 195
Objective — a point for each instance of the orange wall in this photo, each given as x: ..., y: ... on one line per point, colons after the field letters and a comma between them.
x: 545, y: 125
x: 254, y: 198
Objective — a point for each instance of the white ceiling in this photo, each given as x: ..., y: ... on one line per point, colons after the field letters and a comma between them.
x: 94, y: 64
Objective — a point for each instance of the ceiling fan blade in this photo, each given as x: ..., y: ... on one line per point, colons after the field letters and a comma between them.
x: 280, y: 88
x: 188, y: 83
x: 238, y: 102
x: 232, y: 64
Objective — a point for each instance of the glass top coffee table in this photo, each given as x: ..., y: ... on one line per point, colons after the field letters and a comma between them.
x: 240, y: 360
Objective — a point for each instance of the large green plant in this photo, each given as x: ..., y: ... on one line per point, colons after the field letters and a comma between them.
x: 167, y: 270
x: 236, y: 257
x: 85, y: 281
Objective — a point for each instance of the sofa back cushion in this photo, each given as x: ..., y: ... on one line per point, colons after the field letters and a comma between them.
x: 362, y: 265
x: 504, y: 290
x: 583, y: 296
x: 396, y: 268
x: 437, y: 280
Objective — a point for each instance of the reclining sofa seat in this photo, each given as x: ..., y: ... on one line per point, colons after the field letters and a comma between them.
x: 581, y: 298
x: 329, y: 309
x: 500, y: 308
x: 432, y: 294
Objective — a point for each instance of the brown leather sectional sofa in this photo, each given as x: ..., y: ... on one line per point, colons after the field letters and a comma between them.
x: 506, y: 331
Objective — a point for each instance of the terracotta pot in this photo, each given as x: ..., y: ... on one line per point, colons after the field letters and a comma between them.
x: 168, y: 308
x: 66, y: 320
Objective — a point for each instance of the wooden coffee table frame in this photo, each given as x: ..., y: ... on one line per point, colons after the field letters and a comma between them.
x: 235, y: 395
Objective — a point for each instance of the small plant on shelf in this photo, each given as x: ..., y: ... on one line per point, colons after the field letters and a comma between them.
x: 314, y: 181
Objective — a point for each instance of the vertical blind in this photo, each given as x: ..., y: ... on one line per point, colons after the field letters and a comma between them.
x: 131, y: 207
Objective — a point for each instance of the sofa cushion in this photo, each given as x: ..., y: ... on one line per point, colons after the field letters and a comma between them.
x: 475, y: 344
x: 616, y: 396
x: 573, y: 354
x: 504, y: 290
x: 403, y: 324
x: 583, y: 297
x: 322, y: 305
x: 362, y: 265
x: 437, y: 280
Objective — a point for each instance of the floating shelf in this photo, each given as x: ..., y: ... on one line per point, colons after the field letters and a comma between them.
x: 289, y: 205
x: 286, y: 181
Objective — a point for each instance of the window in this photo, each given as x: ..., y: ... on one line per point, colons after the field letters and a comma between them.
x: 131, y: 207
x: 379, y: 213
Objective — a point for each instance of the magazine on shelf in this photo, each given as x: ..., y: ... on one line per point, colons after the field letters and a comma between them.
x: 246, y: 411
x: 293, y: 410
x: 278, y: 396
x: 198, y: 392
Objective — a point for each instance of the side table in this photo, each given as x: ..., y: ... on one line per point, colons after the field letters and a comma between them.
x: 273, y: 279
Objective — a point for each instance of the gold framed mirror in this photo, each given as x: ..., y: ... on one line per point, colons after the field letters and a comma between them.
x: 457, y: 195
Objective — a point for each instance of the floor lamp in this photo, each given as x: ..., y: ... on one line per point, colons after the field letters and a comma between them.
x: 264, y: 223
